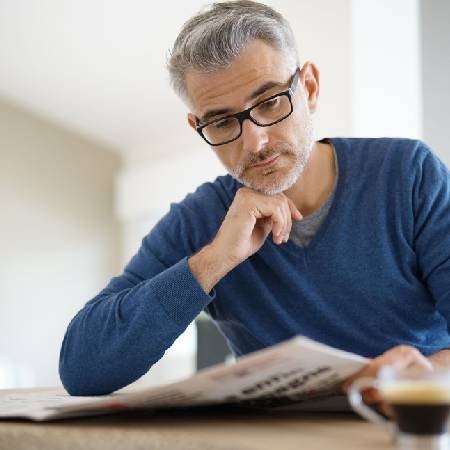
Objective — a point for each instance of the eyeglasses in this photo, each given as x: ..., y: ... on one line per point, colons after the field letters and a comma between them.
x: 268, y: 112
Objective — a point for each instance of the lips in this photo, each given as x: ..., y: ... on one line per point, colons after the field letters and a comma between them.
x: 268, y: 162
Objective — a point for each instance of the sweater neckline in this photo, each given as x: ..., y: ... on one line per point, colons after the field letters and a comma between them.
x: 321, y: 235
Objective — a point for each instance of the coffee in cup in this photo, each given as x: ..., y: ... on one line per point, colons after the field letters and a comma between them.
x: 419, y: 407
x: 419, y: 401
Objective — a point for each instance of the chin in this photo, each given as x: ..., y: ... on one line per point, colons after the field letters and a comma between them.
x: 271, y: 182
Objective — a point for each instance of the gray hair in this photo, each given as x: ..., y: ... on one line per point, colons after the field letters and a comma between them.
x: 211, y: 39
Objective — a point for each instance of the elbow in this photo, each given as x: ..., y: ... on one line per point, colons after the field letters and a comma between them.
x: 78, y: 381
x: 88, y: 374
x: 79, y: 376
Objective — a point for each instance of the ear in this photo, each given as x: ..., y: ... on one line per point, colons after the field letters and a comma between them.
x: 309, y: 77
x: 191, y: 120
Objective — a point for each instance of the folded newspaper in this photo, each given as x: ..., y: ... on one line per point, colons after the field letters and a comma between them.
x: 288, y: 375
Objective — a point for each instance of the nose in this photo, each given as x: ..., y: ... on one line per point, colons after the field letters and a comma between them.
x: 254, y: 138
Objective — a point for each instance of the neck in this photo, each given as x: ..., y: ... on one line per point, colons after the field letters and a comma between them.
x: 316, y: 182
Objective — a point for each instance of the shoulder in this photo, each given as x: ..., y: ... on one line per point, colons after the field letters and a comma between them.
x: 411, y: 159
x: 380, y: 155
x: 214, y: 196
x: 194, y: 221
x: 380, y: 146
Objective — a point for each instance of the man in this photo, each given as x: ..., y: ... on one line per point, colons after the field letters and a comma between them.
x: 342, y: 240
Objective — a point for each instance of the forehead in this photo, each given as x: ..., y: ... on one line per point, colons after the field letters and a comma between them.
x: 257, y: 64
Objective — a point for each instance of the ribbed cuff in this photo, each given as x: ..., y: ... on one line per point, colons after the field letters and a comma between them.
x: 180, y: 294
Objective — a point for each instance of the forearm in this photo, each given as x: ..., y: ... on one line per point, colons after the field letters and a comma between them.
x: 440, y: 359
x: 119, y: 335
x: 105, y: 349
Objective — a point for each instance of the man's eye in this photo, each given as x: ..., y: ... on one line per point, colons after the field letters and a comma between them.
x: 224, y: 123
x: 270, y: 104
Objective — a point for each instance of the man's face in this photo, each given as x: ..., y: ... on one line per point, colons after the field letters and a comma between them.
x: 267, y: 159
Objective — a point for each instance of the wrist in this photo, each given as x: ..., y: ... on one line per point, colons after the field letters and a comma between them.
x: 209, y: 266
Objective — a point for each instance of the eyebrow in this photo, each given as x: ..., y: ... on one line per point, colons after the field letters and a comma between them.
x: 265, y: 87
x: 261, y: 90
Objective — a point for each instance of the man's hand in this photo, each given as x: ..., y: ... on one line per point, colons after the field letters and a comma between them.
x: 441, y: 359
x: 401, y: 357
x: 250, y: 219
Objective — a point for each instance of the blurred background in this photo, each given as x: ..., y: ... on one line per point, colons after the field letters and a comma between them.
x: 94, y: 145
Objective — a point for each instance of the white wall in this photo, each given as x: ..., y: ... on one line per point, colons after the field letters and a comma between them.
x: 435, y: 39
x: 386, y: 95
x: 323, y: 32
x: 59, y: 240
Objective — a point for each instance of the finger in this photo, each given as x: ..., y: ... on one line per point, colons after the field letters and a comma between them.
x: 385, y: 409
x: 295, y: 213
x: 276, y: 208
x: 287, y: 219
x: 265, y: 224
x: 371, y: 396
x: 288, y: 227
x: 278, y: 221
x: 400, y: 357
x: 268, y: 208
x: 288, y: 215
x: 411, y: 357
x: 368, y: 371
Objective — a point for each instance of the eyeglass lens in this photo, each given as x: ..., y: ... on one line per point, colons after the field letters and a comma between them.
x: 265, y: 113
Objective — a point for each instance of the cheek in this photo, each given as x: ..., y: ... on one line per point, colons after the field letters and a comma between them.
x: 227, y: 156
x: 284, y: 132
x: 233, y: 155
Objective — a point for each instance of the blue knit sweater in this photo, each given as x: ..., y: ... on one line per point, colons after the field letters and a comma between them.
x: 376, y: 275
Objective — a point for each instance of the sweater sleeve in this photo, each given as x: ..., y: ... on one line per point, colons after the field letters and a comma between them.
x: 128, y: 326
x: 431, y: 203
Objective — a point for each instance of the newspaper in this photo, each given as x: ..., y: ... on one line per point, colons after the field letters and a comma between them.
x: 283, y: 376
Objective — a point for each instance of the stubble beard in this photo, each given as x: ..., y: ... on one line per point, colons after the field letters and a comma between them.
x: 273, y: 180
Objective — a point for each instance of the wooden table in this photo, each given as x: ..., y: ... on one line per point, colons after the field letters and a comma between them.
x: 205, y: 429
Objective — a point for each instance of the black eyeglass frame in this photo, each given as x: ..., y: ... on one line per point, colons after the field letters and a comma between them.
x: 242, y: 115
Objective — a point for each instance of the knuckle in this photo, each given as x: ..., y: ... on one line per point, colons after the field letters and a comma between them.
x: 283, y: 200
x: 275, y: 205
x: 401, y: 348
x: 407, y: 350
x: 281, y: 204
